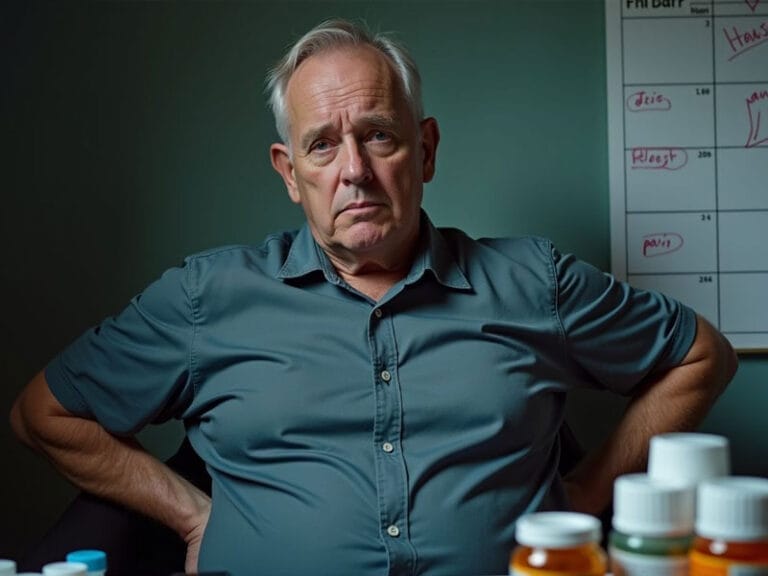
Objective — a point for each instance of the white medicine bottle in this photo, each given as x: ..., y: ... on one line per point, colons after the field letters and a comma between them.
x: 65, y: 569
x: 652, y: 526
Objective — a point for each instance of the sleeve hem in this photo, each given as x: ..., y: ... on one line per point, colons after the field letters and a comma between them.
x: 62, y: 388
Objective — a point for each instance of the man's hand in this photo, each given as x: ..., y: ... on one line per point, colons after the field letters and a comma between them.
x: 674, y: 401
x: 111, y: 467
x: 193, y: 540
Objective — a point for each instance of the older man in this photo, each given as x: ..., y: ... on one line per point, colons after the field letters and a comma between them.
x: 371, y: 394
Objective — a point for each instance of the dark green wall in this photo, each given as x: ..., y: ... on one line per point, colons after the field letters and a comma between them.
x: 136, y: 133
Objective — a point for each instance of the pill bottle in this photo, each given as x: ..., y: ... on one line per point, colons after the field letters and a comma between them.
x: 731, y: 528
x: 551, y: 543
x: 688, y: 457
x: 7, y: 567
x: 65, y: 569
x: 652, y: 526
x: 95, y: 560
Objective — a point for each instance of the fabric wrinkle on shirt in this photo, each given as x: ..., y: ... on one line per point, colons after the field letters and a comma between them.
x: 346, y: 436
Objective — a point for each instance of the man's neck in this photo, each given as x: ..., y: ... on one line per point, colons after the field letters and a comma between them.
x: 375, y: 276
x: 374, y: 284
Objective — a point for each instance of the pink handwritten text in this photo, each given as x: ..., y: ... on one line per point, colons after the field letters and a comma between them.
x: 752, y: 4
x: 757, y: 108
x: 642, y: 101
x: 661, y: 243
x: 659, y: 158
x: 742, y: 40
x: 654, y: 3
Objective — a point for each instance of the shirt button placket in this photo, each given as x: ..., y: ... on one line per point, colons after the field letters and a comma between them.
x: 390, y: 466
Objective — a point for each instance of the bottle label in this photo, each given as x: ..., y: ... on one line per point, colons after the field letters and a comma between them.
x: 518, y: 571
x: 704, y: 565
x: 633, y: 564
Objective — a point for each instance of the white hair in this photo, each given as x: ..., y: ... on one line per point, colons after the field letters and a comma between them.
x: 338, y: 33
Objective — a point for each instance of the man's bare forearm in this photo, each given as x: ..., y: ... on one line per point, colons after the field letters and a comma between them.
x: 677, y: 400
x: 118, y: 469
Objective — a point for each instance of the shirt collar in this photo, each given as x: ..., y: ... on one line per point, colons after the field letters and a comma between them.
x: 306, y: 257
x: 435, y: 255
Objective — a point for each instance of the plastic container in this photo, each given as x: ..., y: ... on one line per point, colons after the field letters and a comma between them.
x: 552, y: 543
x: 95, y: 560
x: 731, y: 528
x: 688, y: 457
x: 7, y: 567
x: 65, y: 569
x: 652, y: 527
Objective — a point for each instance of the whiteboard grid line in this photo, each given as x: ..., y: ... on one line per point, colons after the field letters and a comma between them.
x: 716, y: 183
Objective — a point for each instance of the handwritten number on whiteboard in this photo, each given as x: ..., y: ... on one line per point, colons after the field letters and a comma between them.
x: 704, y: 154
x: 706, y: 217
x: 702, y: 91
x: 705, y: 279
x: 706, y: 23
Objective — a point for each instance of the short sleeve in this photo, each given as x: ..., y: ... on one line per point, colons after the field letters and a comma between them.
x: 134, y: 368
x: 618, y: 334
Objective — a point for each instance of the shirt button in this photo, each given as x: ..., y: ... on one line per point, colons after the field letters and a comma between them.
x: 378, y: 313
x: 393, y: 531
x: 387, y: 447
x: 386, y: 376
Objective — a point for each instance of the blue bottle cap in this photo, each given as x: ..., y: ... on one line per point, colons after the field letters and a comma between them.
x: 94, y: 559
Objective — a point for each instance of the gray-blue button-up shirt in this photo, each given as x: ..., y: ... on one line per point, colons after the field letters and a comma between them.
x: 351, y: 437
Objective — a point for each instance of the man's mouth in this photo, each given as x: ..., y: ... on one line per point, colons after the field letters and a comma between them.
x: 361, y: 207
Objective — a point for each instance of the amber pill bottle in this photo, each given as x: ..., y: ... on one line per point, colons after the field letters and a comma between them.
x: 731, y: 528
x: 557, y: 544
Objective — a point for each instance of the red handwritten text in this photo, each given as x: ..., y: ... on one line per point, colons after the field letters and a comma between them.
x: 757, y: 108
x: 642, y: 101
x: 752, y: 4
x: 661, y: 243
x: 742, y: 40
x: 659, y: 158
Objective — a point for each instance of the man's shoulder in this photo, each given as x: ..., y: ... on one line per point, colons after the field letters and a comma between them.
x: 267, y: 256
x: 277, y: 242
x: 512, y: 247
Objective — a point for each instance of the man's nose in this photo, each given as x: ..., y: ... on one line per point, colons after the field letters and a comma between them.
x: 356, y: 168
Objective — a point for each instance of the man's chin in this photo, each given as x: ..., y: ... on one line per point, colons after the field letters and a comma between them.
x: 364, y: 237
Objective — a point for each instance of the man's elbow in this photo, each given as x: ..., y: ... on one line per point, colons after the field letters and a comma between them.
x: 30, y: 411
x: 18, y: 421
x: 732, y: 362
x: 716, y: 351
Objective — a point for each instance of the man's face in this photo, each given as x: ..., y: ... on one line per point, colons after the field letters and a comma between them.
x: 358, y: 158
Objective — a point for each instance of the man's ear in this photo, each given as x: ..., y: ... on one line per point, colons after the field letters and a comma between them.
x: 282, y: 163
x: 430, y: 138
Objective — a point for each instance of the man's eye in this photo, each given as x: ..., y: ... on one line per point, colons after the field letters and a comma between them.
x: 379, y: 136
x: 320, y: 146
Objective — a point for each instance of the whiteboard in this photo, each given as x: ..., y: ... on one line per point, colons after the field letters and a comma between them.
x: 688, y: 156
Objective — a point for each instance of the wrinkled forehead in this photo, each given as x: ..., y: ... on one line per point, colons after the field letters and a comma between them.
x: 341, y: 75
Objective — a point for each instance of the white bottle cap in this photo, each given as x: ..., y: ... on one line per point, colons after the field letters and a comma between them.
x: 733, y: 508
x: 65, y: 569
x: 7, y: 567
x: 688, y: 457
x: 644, y: 506
x: 557, y: 530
